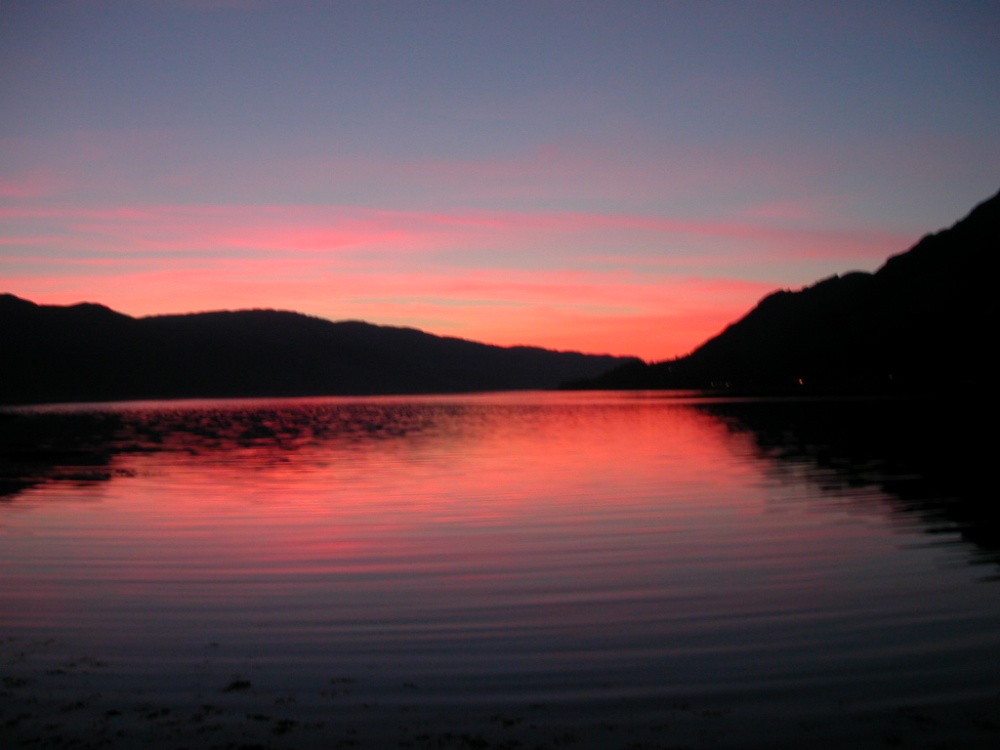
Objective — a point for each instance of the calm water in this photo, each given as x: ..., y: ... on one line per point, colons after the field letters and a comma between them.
x: 584, y: 569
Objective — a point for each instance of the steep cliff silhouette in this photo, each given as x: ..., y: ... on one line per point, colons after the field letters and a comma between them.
x: 88, y: 352
x: 925, y: 319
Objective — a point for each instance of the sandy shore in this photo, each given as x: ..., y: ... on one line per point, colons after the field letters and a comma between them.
x: 51, y: 698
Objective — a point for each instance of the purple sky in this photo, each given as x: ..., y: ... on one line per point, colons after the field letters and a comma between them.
x: 619, y: 176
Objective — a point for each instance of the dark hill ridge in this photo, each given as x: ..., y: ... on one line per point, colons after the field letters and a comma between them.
x: 88, y: 352
x: 926, y: 319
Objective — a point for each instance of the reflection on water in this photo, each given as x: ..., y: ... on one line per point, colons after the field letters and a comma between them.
x: 612, y: 557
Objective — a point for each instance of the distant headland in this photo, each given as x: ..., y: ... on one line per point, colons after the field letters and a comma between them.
x: 88, y: 352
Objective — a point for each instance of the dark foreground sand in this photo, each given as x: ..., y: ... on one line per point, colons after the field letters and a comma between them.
x: 50, y: 698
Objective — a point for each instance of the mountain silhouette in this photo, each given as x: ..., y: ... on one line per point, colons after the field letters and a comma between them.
x: 925, y: 319
x: 88, y: 352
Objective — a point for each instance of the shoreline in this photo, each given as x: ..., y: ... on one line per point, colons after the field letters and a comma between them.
x: 51, y: 697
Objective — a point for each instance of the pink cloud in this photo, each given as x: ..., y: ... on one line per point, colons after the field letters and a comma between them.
x: 30, y: 185
x: 288, y: 228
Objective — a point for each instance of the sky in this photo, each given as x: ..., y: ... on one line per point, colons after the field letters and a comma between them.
x: 611, y: 177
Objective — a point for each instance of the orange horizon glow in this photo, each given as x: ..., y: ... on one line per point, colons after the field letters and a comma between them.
x: 653, y: 337
x: 506, y: 278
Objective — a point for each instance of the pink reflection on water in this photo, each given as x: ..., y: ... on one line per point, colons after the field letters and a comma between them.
x: 387, y: 504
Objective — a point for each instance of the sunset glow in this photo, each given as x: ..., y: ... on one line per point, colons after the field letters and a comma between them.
x: 631, y: 189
